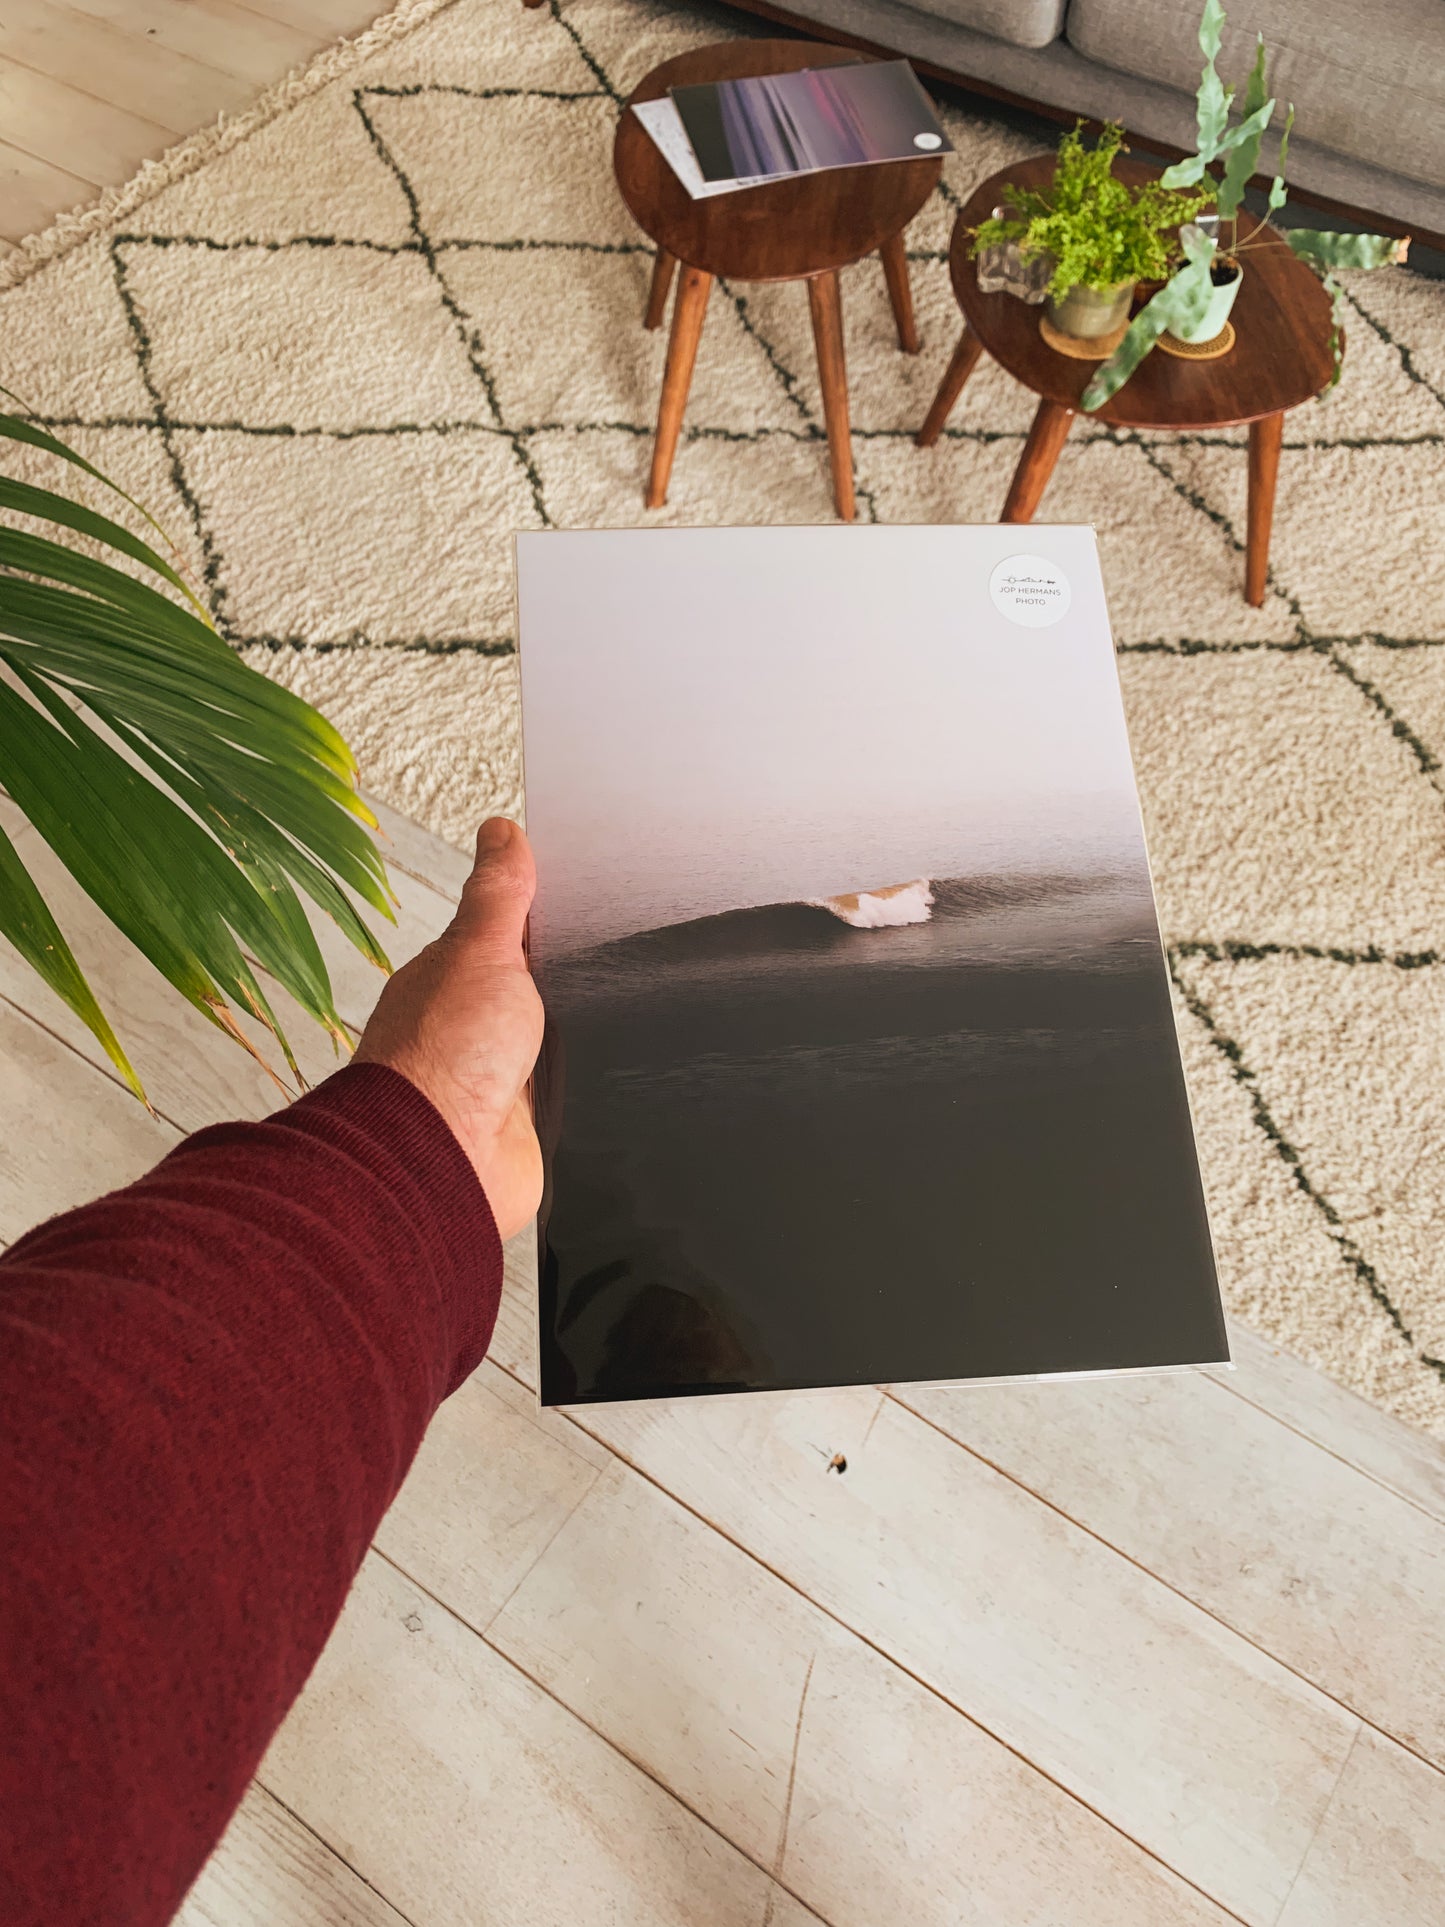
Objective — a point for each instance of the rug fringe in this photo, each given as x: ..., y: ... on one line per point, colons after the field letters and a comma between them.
x: 69, y: 230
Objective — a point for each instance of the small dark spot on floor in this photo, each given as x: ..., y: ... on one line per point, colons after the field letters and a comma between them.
x: 837, y: 1463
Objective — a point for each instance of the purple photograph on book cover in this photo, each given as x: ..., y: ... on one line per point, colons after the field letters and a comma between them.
x: 840, y: 117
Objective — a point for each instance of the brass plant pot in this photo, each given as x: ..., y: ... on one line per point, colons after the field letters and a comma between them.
x: 1086, y: 313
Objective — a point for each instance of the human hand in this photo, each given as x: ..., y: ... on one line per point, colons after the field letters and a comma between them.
x: 463, y: 1022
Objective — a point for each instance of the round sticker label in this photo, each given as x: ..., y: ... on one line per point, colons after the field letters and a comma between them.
x: 928, y: 140
x: 1030, y: 590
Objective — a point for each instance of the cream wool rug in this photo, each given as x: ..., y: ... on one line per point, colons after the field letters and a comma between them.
x: 346, y: 345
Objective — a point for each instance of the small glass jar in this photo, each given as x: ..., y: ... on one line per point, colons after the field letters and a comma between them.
x: 1086, y: 313
x: 1006, y: 269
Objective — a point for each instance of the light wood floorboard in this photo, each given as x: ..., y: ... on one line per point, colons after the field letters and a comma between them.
x: 465, y: 1792
x: 57, y: 124
x: 32, y: 193
x: 1361, y: 1434
x: 89, y: 89
x: 270, y: 1871
x: 1065, y: 1652
x: 102, y: 62
x: 224, y: 34
x: 330, y: 19
x: 1376, y: 1859
x: 515, y: 1518
x: 1151, y: 1467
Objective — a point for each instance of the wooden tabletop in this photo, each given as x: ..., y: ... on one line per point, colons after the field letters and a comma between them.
x: 1281, y: 355
x: 786, y: 229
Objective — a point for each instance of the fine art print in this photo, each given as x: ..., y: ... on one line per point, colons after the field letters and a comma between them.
x: 760, y: 127
x: 860, y: 1062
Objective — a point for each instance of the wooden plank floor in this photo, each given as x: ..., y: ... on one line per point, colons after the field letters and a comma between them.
x: 91, y: 88
x: 1156, y: 1653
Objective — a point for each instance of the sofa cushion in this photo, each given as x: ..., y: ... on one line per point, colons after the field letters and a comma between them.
x: 1367, y: 77
x: 1023, y: 23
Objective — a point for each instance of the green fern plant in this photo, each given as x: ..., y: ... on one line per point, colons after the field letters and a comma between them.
x: 1235, y: 147
x: 195, y: 801
x: 1099, y: 231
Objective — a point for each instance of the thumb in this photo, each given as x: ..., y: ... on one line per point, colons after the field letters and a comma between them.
x: 498, y: 894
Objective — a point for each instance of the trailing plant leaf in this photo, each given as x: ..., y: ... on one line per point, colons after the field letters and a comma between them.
x: 1211, y: 109
x: 1243, y: 157
x: 1325, y: 249
x: 1277, y: 187
x: 195, y: 801
x: 1179, y: 304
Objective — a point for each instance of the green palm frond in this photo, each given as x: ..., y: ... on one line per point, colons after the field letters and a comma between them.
x: 195, y: 801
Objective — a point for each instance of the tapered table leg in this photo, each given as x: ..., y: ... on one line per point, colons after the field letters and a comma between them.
x: 900, y: 293
x: 826, y: 304
x: 1052, y: 422
x: 691, y: 305
x: 1265, y: 437
x: 965, y: 359
x: 657, y: 294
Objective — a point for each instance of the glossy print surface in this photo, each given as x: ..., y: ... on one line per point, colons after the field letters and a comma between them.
x: 860, y: 1061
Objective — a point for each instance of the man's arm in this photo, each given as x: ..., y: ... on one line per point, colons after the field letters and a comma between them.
x: 211, y: 1386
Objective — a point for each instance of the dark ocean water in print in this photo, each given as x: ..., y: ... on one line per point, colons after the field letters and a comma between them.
x: 784, y: 1152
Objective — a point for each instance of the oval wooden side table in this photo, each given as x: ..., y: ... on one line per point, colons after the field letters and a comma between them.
x: 804, y: 229
x: 1281, y: 358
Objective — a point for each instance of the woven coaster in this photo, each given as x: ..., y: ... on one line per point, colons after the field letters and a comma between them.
x: 1200, y: 350
x: 1097, y: 348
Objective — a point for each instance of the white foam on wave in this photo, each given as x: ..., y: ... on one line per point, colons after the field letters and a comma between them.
x: 884, y: 908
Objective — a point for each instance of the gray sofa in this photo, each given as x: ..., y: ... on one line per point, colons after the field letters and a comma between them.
x: 1367, y: 76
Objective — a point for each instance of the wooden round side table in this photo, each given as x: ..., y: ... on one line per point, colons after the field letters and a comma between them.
x: 796, y: 230
x: 1281, y: 358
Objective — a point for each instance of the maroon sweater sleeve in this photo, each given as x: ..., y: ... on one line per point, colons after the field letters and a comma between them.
x: 211, y: 1386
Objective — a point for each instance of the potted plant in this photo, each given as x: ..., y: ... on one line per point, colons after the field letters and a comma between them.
x: 1194, y: 303
x: 1226, y: 274
x: 188, y: 795
x: 1102, y: 236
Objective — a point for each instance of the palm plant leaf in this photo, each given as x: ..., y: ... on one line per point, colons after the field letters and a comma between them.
x: 44, y: 506
x: 16, y: 429
x: 195, y: 801
x: 26, y: 920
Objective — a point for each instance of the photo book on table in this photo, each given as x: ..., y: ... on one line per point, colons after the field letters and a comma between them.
x: 860, y: 1062
x: 664, y: 124
x: 719, y: 136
